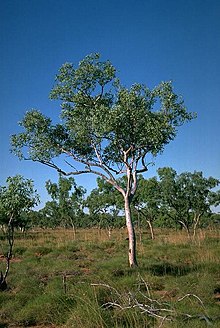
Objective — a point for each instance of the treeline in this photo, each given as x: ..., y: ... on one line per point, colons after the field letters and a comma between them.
x: 170, y: 200
x: 184, y: 201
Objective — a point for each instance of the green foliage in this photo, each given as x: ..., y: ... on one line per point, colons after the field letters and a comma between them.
x: 147, y: 200
x: 186, y: 197
x: 104, y: 204
x: 16, y: 199
x: 172, y: 201
x: 104, y: 125
x: 66, y: 207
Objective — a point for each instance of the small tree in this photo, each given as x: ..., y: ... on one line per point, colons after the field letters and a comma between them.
x: 188, y: 196
x: 147, y: 201
x: 16, y: 199
x: 107, y: 128
x: 203, y: 197
x: 103, y: 204
x: 66, y: 205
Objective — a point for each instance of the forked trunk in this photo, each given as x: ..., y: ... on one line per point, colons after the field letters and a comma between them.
x: 131, y: 235
x: 74, y: 229
x: 195, y: 224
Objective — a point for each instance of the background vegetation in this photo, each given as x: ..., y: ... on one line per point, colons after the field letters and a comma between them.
x: 67, y: 260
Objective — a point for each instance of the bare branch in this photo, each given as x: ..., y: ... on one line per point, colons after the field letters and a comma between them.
x: 90, y: 164
x: 144, y: 165
x: 151, y: 307
x: 107, y: 286
x: 73, y: 167
x: 191, y: 295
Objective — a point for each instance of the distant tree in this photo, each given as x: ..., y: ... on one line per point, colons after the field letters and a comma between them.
x: 67, y: 202
x: 16, y: 200
x: 107, y: 128
x: 187, y: 197
x: 33, y: 219
x: 49, y: 215
x: 103, y: 204
x: 215, y: 220
x: 25, y: 221
x: 147, y: 201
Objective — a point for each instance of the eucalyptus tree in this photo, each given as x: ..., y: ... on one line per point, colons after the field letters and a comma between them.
x: 103, y: 205
x: 16, y: 200
x: 106, y: 128
x: 147, y: 201
x: 203, y: 196
x: 188, y: 196
x: 67, y: 202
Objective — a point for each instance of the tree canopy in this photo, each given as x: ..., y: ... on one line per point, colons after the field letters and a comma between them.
x: 103, y: 124
x: 18, y: 197
x: 186, y: 197
x: 67, y: 202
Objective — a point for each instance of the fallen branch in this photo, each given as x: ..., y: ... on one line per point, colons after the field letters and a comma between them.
x: 191, y: 295
x: 163, y: 311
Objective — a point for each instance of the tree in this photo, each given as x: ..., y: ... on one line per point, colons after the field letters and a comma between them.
x: 16, y: 199
x: 103, y: 205
x: 203, y: 197
x: 188, y: 196
x: 107, y: 128
x: 147, y: 201
x: 66, y: 205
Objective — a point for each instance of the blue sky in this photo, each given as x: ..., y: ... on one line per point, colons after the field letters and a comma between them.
x: 148, y: 41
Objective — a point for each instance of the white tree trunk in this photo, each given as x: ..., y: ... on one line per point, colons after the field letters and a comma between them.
x: 195, y: 223
x: 131, y: 234
x: 187, y: 229
x: 74, y: 229
x: 151, y: 229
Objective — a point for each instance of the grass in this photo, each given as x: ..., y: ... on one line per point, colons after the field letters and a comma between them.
x: 56, y: 281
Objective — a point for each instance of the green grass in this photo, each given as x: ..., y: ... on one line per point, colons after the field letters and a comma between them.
x: 55, y: 280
